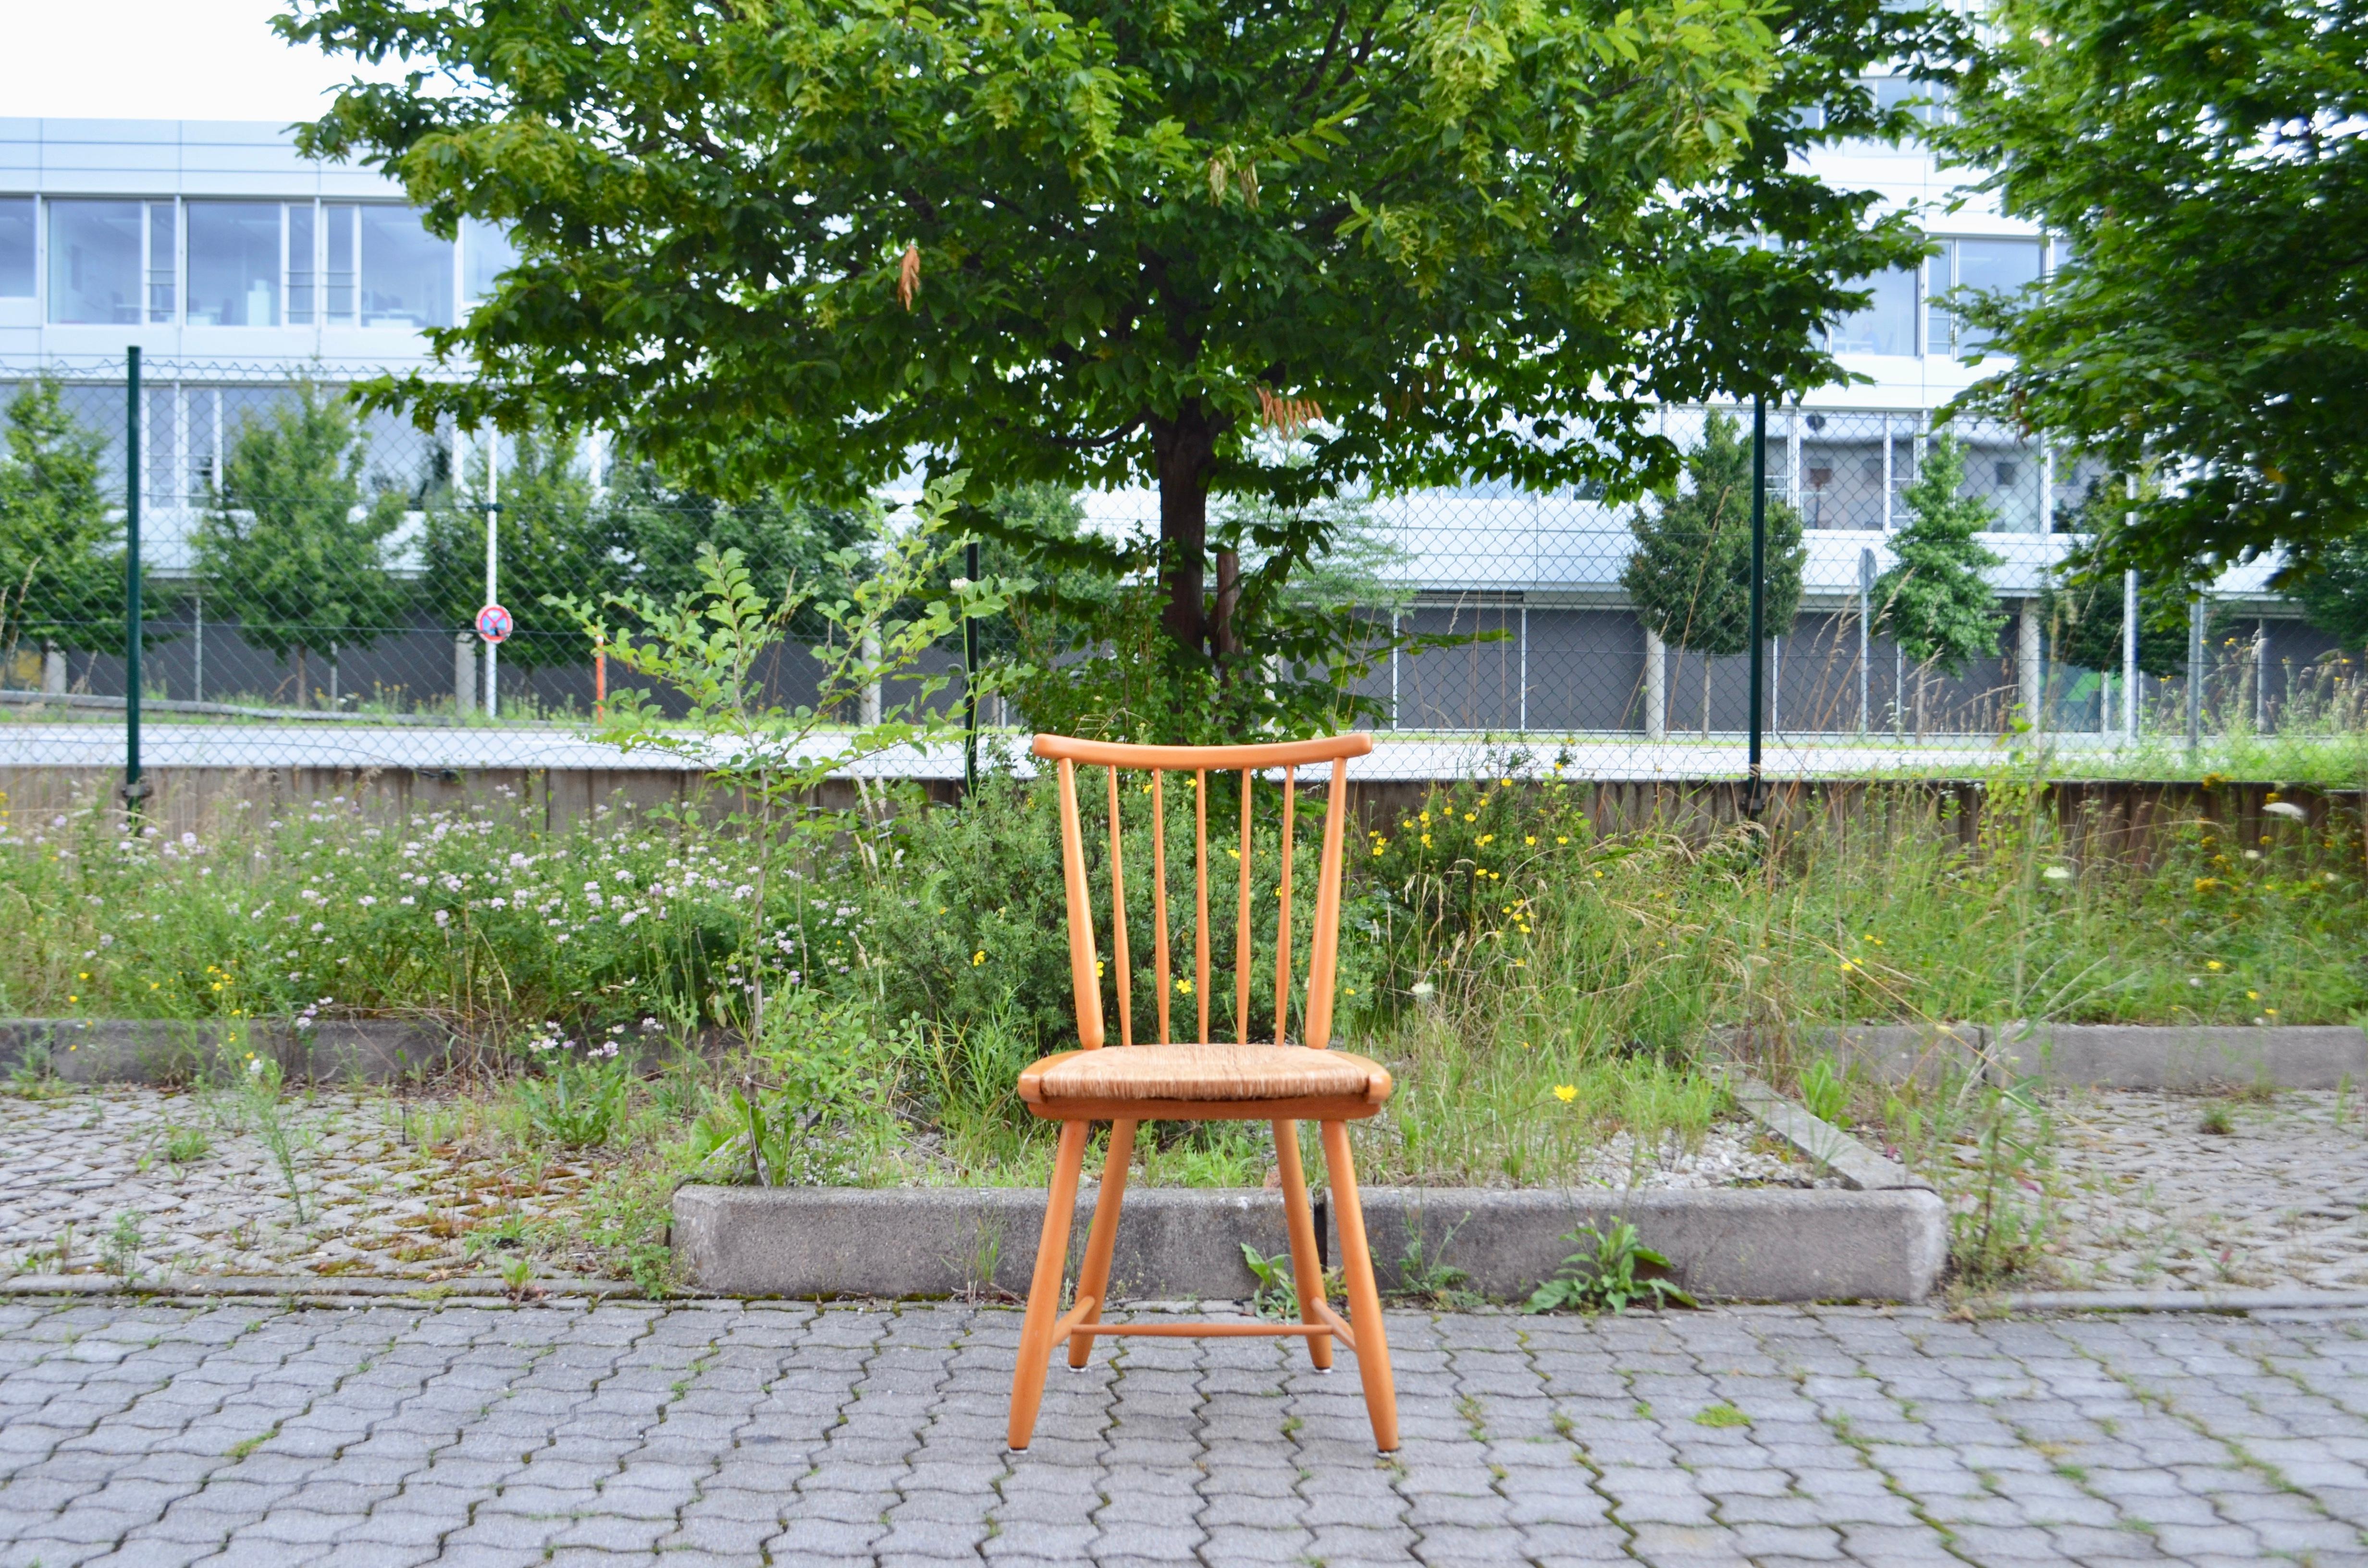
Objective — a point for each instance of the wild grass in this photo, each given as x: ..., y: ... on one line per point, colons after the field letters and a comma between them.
x: 1543, y: 992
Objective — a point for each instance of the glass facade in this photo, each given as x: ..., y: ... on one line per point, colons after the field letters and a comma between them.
x: 234, y: 260
x: 1975, y: 265
x: 94, y: 262
x: 406, y: 272
x: 17, y: 247
x: 243, y: 264
x: 485, y: 252
x: 163, y: 253
x: 1887, y: 324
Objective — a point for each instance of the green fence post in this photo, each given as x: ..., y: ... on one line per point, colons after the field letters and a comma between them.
x: 1756, y: 798
x: 135, y: 788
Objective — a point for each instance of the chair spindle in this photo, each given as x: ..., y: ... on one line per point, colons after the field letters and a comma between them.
x: 1200, y: 897
x: 1159, y: 898
x: 1117, y: 921
x: 1242, y: 944
x: 1282, y: 917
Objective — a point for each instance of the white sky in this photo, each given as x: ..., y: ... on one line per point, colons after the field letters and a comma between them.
x: 158, y: 59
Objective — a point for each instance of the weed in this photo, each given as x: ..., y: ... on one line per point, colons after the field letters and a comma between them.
x: 247, y: 1445
x: 259, y: 1099
x: 120, y: 1254
x: 1721, y: 1414
x: 517, y: 1278
x: 1425, y: 1276
x: 1277, y: 1295
x: 1602, y: 1275
x: 184, y: 1144
x: 578, y: 1103
x: 2218, y: 1121
x: 35, y: 1076
x: 1824, y: 1092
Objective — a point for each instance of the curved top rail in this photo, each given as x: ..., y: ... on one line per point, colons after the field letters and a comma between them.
x: 1186, y: 759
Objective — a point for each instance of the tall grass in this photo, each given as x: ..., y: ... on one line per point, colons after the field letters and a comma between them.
x: 1538, y: 988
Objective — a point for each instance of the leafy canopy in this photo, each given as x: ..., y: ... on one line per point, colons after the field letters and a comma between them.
x: 805, y: 239
x: 2207, y: 165
x: 1690, y: 577
x: 1934, y: 601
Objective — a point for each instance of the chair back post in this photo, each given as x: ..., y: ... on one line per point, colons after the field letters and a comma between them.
x: 1324, y: 955
x: 1082, y: 978
x: 1315, y: 1015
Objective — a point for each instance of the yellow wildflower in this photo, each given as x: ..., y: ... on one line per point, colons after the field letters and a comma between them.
x: 978, y: 957
x: 1565, y: 1092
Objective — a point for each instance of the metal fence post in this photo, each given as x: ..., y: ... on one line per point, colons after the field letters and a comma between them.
x: 2130, y: 656
x: 2195, y: 675
x: 970, y: 681
x: 135, y: 788
x: 1757, y: 799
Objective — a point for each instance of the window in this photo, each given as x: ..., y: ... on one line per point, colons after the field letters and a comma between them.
x: 161, y: 261
x: 1927, y: 101
x: 234, y: 262
x: 94, y: 262
x: 1975, y: 267
x: 301, y: 292
x: 485, y: 252
x: 341, y: 245
x: 406, y: 272
x: 1887, y: 324
x: 16, y: 247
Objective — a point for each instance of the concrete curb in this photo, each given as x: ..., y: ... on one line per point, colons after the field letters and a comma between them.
x: 2116, y: 1056
x: 166, y: 1050
x: 1860, y: 1168
x: 2238, y: 1301
x: 301, y: 1285
x: 1769, y: 1245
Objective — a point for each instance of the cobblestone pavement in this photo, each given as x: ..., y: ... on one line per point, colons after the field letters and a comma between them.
x: 702, y: 1434
x: 374, y: 1201
x: 2150, y: 1198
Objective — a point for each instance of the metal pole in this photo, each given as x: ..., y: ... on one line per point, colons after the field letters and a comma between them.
x: 2130, y: 656
x: 493, y: 562
x: 1865, y: 613
x: 1757, y: 798
x: 135, y: 788
x: 970, y: 681
x: 2195, y: 675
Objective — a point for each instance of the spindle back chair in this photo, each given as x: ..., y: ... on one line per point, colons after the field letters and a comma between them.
x: 1200, y: 1079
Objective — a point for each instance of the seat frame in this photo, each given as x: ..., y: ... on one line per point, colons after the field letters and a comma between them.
x: 1361, y: 1333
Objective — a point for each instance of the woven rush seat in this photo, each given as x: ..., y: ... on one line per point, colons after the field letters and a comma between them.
x: 1208, y: 1074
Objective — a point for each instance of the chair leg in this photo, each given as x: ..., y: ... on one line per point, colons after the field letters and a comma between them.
x: 1094, y: 1278
x: 1045, y: 1291
x: 1364, y: 1297
x: 1306, y: 1262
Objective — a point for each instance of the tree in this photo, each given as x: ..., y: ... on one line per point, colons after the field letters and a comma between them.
x: 2335, y: 594
x: 291, y: 547
x: 2085, y: 606
x: 1689, y: 575
x: 61, y: 554
x: 1116, y: 244
x: 1934, y: 601
x: 554, y: 539
x: 2206, y: 164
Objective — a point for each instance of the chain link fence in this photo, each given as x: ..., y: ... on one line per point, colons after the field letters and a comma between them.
x: 311, y: 574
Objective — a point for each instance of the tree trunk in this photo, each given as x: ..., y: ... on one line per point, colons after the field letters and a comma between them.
x: 1225, y: 629
x: 1185, y: 448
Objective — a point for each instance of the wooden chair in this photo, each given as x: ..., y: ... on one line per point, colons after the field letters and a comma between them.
x: 1200, y: 1080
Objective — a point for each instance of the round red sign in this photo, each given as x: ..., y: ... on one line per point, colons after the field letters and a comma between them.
x: 494, y: 623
